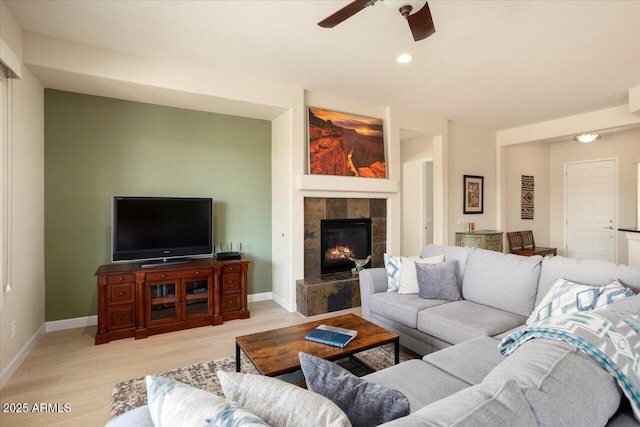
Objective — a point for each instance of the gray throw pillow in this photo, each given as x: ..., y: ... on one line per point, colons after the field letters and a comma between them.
x: 438, y: 281
x: 365, y: 403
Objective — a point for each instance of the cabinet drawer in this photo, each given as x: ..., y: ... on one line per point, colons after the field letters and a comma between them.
x: 178, y: 274
x: 230, y: 282
x: 121, y: 317
x: 121, y: 278
x: 495, y: 247
x: 471, y: 241
x: 233, y: 268
x: 118, y: 294
x: 494, y: 238
x: 230, y: 302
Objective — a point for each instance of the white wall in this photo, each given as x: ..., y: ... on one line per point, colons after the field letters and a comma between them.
x: 416, y: 186
x: 471, y: 151
x: 527, y: 159
x: 623, y: 145
x: 25, y: 303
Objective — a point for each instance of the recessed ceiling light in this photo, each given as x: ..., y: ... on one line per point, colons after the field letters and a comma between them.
x: 586, y: 138
x: 404, y: 58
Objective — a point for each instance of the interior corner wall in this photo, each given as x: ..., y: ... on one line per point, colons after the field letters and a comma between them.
x: 281, y: 210
x: 100, y: 147
x: 623, y: 145
x: 24, y: 305
x: 470, y: 151
x: 530, y: 159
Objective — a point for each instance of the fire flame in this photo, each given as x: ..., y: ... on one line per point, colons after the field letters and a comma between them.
x: 339, y: 252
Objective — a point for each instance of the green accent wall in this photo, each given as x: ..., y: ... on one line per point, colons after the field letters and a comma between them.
x: 98, y: 147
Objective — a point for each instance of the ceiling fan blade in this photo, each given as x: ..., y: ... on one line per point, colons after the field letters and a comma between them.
x: 345, y: 13
x: 421, y: 23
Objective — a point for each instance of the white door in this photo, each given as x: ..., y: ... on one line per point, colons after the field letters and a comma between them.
x: 590, y: 210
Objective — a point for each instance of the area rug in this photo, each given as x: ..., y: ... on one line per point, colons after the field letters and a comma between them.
x: 131, y: 394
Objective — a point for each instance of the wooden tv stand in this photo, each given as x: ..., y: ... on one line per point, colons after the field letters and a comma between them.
x: 138, y: 302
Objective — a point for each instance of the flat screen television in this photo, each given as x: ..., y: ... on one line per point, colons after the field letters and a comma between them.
x: 161, y: 228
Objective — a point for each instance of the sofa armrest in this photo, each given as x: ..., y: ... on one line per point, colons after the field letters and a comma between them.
x: 372, y: 281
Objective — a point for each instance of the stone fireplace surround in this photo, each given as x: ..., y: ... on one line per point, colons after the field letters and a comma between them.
x: 316, y: 293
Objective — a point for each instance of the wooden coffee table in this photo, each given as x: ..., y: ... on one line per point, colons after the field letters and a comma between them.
x: 275, y: 352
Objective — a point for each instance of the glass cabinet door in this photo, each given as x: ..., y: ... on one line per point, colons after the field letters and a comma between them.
x: 163, y: 298
x: 196, y: 298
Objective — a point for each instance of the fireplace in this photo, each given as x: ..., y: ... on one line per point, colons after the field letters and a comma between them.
x: 342, y: 239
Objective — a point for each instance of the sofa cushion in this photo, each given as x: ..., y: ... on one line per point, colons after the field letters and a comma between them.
x: 438, y: 281
x: 409, y: 278
x: 175, y: 404
x: 569, y: 387
x: 504, y: 281
x: 469, y: 361
x: 451, y: 253
x: 279, y: 403
x: 486, y: 404
x: 460, y: 321
x: 401, y: 308
x: 419, y: 381
x: 569, y: 297
x: 365, y: 403
x: 138, y: 417
x: 588, y: 272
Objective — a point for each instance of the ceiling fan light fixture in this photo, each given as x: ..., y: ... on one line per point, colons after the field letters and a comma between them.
x: 404, y: 58
x: 397, y: 5
x: 587, y: 137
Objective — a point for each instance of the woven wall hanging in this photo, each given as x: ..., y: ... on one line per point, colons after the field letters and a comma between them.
x: 527, y: 206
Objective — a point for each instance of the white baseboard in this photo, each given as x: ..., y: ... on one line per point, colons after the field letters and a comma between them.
x: 15, y: 363
x: 78, y: 322
x: 290, y: 307
x: 264, y: 296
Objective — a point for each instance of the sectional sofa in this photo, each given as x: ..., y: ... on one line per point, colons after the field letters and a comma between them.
x: 463, y: 377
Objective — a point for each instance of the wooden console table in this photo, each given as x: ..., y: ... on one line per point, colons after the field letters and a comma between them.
x: 483, y: 239
x: 138, y: 302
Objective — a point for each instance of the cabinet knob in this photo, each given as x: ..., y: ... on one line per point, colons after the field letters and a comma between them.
x: 121, y: 317
x: 164, y: 275
x: 121, y: 293
x: 231, y: 268
x: 230, y: 281
x: 230, y: 301
x: 121, y: 278
x: 197, y: 273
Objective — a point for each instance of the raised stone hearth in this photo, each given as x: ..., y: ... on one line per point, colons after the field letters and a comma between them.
x: 327, y: 293
x: 316, y: 293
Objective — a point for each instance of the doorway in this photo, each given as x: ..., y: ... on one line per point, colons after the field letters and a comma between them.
x: 417, y: 226
x: 591, y: 207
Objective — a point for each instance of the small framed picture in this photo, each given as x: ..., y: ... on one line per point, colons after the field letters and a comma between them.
x: 473, y: 194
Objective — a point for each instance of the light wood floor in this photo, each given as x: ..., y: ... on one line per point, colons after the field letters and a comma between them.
x: 66, y: 366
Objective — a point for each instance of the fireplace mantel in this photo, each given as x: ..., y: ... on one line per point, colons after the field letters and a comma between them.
x: 343, y: 184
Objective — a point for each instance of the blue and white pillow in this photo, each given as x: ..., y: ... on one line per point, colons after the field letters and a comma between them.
x: 175, y: 404
x: 567, y: 297
x: 393, y: 265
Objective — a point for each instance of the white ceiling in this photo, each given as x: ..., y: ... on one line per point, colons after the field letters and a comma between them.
x: 493, y: 64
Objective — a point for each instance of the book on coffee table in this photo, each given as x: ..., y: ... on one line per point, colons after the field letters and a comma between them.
x: 332, y: 335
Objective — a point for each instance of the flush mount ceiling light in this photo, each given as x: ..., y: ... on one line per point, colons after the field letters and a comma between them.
x: 404, y: 58
x: 586, y: 138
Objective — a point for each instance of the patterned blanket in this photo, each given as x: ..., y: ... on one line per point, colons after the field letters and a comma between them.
x: 609, y: 336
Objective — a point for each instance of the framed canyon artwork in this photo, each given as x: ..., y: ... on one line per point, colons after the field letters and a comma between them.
x: 473, y: 194
x: 345, y: 144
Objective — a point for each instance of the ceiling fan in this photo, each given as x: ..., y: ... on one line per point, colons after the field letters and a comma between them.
x: 419, y: 19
